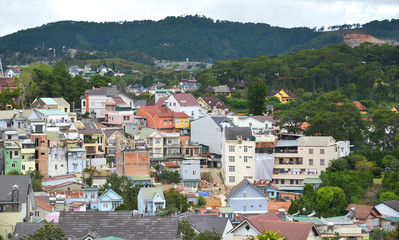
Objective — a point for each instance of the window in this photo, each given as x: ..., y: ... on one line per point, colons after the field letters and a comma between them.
x: 232, y: 179
x: 93, y: 196
x: 231, y: 159
x: 194, y: 172
x: 84, y: 103
x: 157, y: 140
x: 170, y: 122
x: 321, y: 162
x: 37, y: 213
x: 186, y: 120
x: 311, y: 162
x: 42, y: 153
x: 248, y: 166
x: 105, y: 204
x: 245, y: 148
x: 165, y: 122
x: 23, y: 167
x: 13, y: 165
x: 310, y: 150
x: 297, y: 182
x: 231, y: 149
x: 245, y: 158
x: 276, y: 181
x: 250, y: 124
x: 232, y: 168
x: 245, y: 207
x: 55, y: 166
x: 291, y: 181
x: 174, y: 104
x: 282, y: 181
x: 321, y: 151
x: 192, y: 113
x: 245, y: 194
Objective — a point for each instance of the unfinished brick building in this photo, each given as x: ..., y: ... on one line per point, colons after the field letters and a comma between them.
x: 133, y: 162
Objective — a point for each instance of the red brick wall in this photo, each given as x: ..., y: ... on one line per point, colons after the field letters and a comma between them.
x: 133, y: 163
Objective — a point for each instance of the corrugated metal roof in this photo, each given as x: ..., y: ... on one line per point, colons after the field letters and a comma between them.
x: 316, y: 141
x: 51, y: 112
x: 287, y: 143
x: 48, y: 101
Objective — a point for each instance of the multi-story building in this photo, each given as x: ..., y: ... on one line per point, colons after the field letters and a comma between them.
x: 163, y: 119
x: 304, y: 158
x: 184, y: 102
x: 28, y: 153
x: 57, y: 154
x: 212, y: 106
x: 114, y: 137
x: 117, y: 112
x: 41, y: 150
x: 171, y: 145
x: 238, y: 155
x: 77, y: 159
x: 12, y: 157
x: 93, y: 139
x: 133, y: 162
x: 94, y: 99
x: 154, y: 143
x: 190, y: 174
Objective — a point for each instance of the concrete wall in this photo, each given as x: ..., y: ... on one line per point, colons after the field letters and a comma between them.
x: 57, y: 161
x: 206, y: 131
x: 248, y: 200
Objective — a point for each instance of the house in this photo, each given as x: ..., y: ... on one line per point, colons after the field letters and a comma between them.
x: 154, y: 142
x: 207, y: 130
x: 28, y: 153
x: 389, y: 208
x: 190, y: 174
x: 223, y: 89
x: 150, y: 201
x: 212, y: 106
x: 117, y: 112
x: 13, y: 119
x: 12, y: 157
x: 57, y: 154
x: 77, y: 159
x: 246, y: 199
x: 11, y: 73
x: 93, y: 100
x: 238, y: 155
x: 17, y: 202
x: 114, y: 137
x: 109, y: 225
x: 51, y: 181
x: 189, y: 86
x: 184, y: 102
x: 395, y: 109
x: 389, y: 223
x: 202, y: 223
x: 365, y: 214
x: 93, y: 139
x: 158, y: 117
x: 261, y: 125
x: 361, y: 107
x: 303, y: 158
x: 43, y: 208
x: 171, y: 145
x: 109, y: 200
x: 55, y: 119
x: 74, y: 70
x: 161, y: 93
x: 44, y: 103
x: 91, y: 197
x: 271, y: 222
x: 285, y: 95
x: 133, y: 162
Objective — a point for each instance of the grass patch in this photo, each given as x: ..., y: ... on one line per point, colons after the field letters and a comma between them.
x: 377, y: 180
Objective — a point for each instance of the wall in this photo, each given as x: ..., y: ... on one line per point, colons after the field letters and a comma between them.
x: 256, y: 203
x: 57, y: 161
x: 133, y: 163
x: 205, y: 131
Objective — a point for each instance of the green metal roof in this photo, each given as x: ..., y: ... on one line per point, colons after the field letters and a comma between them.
x: 146, y: 132
x: 162, y: 90
x: 314, y: 220
x: 290, y: 188
x: 312, y: 181
x: 48, y: 101
x: 140, y: 178
x: 51, y: 112
x: 191, y: 180
x: 224, y: 210
x: 148, y: 193
x: 392, y: 219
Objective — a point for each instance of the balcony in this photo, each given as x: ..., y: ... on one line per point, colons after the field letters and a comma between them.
x: 295, y: 171
x: 28, y: 150
x: 288, y: 161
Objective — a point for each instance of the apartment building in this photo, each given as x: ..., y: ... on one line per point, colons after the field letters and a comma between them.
x: 238, y: 155
x: 303, y: 159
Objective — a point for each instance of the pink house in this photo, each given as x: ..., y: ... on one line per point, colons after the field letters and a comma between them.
x: 117, y: 112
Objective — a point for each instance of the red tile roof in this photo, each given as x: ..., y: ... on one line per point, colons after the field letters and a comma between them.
x: 275, y: 206
x: 163, y: 112
x: 269, y: 216
x: 289, y: 230
x: 360, y: 106
x: 43, y: 205
x: 58, y: 177
x: 185, y: 99
x: 60, y: 185
x: 171, y: 165
x: 180, y: 115
x: 363, y: 211
x: 76, y: 194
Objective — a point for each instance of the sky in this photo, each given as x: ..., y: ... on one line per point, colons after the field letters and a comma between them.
x: 16, y: 15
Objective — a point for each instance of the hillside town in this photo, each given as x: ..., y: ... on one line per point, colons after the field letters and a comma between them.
x: 116, y: 167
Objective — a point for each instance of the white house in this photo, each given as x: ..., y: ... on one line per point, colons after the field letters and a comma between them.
x: 94, y: 99
x: 109, y: 200
x: 261, y: 125
x: 238, y: 155
x: 184, y: 102
x: 389, y: 208
x: 150, y: 201
x: 56, y: 120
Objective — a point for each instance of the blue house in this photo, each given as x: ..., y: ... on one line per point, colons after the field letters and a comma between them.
x: 150, y: 201
x: 91, y: 197
x: 109, y: 200
x: 246, y: 199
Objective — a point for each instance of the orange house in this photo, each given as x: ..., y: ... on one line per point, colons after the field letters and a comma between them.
x: 158, y: 117
x: 40, y: 140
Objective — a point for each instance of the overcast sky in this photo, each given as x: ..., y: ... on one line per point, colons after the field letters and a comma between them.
x: 22, y: 14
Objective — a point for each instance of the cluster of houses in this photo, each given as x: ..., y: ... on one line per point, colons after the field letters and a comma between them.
x: 246, y: 163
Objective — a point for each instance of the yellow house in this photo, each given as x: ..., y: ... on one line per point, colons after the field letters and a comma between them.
x: 285, y: 95
x: 182, y: 120
x: 28, y: 155
x: 395, y: 109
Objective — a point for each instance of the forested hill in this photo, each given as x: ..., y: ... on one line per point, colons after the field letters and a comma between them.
x: 193, y: 37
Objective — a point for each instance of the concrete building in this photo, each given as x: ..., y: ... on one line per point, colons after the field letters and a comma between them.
x: 208, y: 131
x: 184, y: 102
x: 304, y: 158
x: 94, y: 99
x: 12, y: 157
x: 150, y: 201
x: 238, y: 155
x: 154, y: 142
x: 131, y: 162
x: 77, y: 159
x: 190, y: 174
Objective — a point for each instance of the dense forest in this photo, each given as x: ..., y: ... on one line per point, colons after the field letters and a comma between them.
x: 177, y: 38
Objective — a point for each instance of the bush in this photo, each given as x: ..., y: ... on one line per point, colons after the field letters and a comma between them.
x: 201, y: 201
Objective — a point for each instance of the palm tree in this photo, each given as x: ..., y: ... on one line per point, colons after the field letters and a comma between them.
x: 89, y: 170
x: 270, y: 235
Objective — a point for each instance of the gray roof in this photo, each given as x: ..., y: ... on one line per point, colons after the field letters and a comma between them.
x: 219, y: 119
x: 105, y: 91
x: 287, y: 143
x: 207, y: 223
x: 394, y: 204
x: 109, y: 132
x: 118, y: 224
x: 8, y: 181
x: 24, y: 229
x: 316, y: 141
x: 240, y: 185
x: 90, y: 128
x: 232, y: 133
x: 139, y: 102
